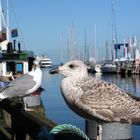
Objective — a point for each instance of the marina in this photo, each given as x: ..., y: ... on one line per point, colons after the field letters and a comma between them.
x: 56, y: 109
x: 116, y: 61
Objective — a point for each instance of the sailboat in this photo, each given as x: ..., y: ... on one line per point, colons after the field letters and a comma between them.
x: 109, y: 65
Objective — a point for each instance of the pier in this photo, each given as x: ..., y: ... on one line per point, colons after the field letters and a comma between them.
x: 128, y: 67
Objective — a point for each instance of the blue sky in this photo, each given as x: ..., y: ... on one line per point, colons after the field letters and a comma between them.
x: 45, y: 24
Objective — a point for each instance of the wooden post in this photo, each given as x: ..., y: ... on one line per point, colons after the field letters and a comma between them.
x: 91, y: 129
x: 118, y: 68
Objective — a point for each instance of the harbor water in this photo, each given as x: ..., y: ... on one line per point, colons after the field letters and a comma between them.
x: 57, y: 110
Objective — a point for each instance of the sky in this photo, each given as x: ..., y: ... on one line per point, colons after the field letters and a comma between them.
x: 45, y: 25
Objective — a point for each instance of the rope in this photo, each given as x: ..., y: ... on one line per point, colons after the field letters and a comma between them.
x: 69, y: 127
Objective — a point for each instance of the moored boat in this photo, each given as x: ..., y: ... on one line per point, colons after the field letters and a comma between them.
x: 108, y: 67
x: 46, y: 62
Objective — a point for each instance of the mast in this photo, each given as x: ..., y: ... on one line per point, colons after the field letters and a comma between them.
x: 8, y: 27
x: 114, y: 33
x: 2, y: 20
x: 85, y: 48
x: 61, y: 49
x: 0, y: 16
x: 94, y: 46
x: 69, y: 46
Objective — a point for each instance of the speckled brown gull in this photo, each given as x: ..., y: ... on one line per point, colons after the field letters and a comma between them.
x: 96, y: 99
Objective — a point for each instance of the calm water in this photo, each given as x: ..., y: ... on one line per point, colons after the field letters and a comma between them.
x: 57, y: 110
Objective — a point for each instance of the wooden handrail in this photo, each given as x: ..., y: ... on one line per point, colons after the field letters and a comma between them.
x: 33, y: 124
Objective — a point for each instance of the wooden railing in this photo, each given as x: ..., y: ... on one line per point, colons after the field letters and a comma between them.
x: 17, y: 124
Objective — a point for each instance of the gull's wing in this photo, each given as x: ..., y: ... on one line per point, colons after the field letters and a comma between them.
x: 108, y: 102
x: 19, y: 86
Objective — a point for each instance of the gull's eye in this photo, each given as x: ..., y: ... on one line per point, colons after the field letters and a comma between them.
x: 71, y: 66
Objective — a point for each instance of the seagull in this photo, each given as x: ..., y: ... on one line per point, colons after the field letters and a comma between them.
x: 96, y: 99
x: 24, y: 85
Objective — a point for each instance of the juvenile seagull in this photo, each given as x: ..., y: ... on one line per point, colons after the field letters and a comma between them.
x: 23, y: 86
x: 96, y: 99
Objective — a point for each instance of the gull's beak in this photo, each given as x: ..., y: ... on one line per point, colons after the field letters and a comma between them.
x: 54, y: 70
x: 41, y: 89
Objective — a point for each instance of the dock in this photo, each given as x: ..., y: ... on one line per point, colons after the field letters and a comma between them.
x: 128, y: 67
x: 17, y: 124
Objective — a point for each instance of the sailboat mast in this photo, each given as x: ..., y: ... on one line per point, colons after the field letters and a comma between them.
x: 69, y: 46
x: 7, y: 27
x: 61, y: 49
x: 2, y: 20
x: 85, y: 48
x: 114, y: 33
x: 94, y: 46
x: 0, y: 16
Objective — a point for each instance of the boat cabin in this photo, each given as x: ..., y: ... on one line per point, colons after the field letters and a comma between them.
x: 16, y: 61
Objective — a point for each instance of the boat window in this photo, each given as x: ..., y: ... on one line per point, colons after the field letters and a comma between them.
x: 19, y: 68
x: 10, y: 67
